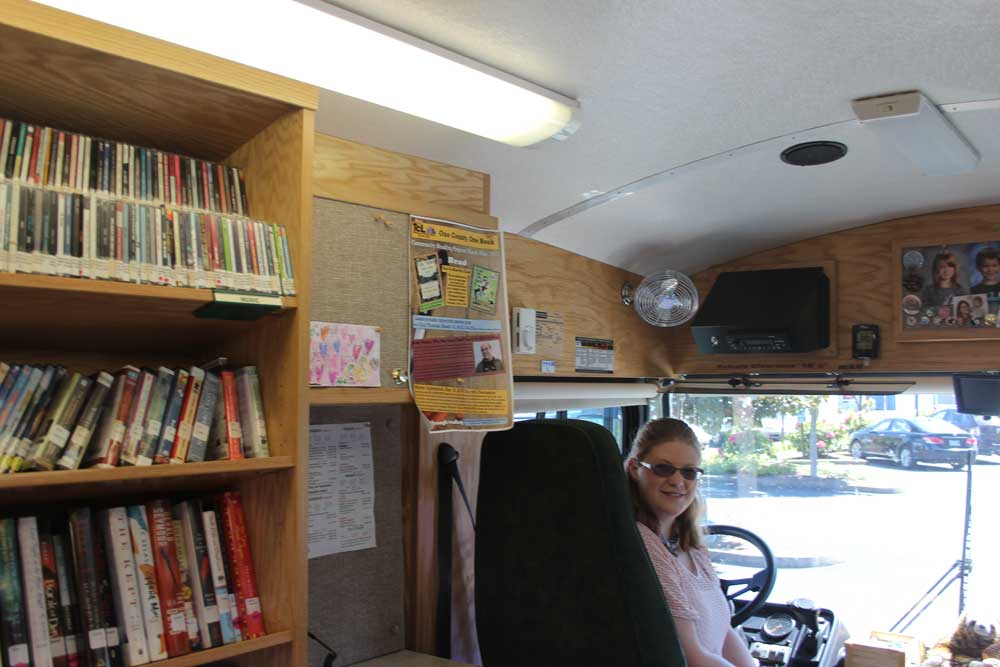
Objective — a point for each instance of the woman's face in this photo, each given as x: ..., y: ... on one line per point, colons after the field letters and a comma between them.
x: 945, y: 272
x: 963, y: 307
x: 667, y: 497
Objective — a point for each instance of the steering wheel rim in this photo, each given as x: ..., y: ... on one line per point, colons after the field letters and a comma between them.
x: 761, y: 582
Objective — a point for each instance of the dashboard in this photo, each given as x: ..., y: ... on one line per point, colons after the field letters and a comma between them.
x: 796, y: 634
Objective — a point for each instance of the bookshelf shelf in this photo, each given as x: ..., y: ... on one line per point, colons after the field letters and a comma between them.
x: 225, y: 652
x: 321, y: 396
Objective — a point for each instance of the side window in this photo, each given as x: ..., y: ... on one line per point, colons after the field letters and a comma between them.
x: 609, y: 418
x: 901, y: 425
x: 882, y: 425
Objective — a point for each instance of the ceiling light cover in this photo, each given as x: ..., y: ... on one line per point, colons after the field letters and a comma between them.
x: 918, y: 130
x: 322, y: 45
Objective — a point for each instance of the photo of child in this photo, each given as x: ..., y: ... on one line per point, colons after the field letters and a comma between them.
x: 944, y: 284
x: 987, y: 276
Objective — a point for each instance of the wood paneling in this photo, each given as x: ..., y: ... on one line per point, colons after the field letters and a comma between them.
x: 101, y: 37
x: 865, y: 294
x: 360, y: 174
x: 588, y: 294
x: 359, y: 396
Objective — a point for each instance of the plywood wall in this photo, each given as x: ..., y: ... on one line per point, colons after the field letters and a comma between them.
x: 588, y: 295
x: 864, y: 289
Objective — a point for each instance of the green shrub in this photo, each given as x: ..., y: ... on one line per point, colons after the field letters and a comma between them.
x: 763, y: 465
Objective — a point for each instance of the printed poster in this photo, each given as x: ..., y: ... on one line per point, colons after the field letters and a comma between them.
x: 951, y: 286
x: 460, y: 373
x: 341, y: 489
x: 344, y: 355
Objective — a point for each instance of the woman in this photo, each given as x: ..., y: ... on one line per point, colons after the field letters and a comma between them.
x: 663, y: 475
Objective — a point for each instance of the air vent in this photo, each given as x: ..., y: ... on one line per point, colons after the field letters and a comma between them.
x: 813, y: 153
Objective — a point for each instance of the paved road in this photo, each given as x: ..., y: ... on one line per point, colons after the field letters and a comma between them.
x: 868, y: 549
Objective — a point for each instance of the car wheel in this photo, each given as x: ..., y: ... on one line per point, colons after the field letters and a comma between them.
x: 906, y: 459
x: 856, y: 450
x: 957, y: 466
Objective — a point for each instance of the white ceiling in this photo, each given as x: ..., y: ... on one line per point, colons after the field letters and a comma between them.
x: 662, y: 84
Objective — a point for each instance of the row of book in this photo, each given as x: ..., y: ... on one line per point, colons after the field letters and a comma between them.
x: 53, y: 418
x: 127, y: 585
x: 93, y: 236
x: 55, y: 158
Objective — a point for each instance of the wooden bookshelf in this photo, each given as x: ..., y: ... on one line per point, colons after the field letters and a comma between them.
x: 78, y: 75
x: 324, y: 396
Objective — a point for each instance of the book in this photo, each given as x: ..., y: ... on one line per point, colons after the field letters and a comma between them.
x: 109, y: 620
x: 251, y: 618
x: 50, y: 583
x: 34, y: 591
x: 251, y: 411
x: 168, y: 577
x: 185, y: 421
x: 216, y: 558
x: 149, y: 592
x: 14, y: 410
x: 13, y: 615
x: 31, y: 421
x: 57, y: 429
x: 95, y: 638
x: 135, y: 427
x: 210, y: 390
x: 124, y: 585
x: 202, y: 587
x: 165, y: 444
x: 158, y: 398
x: 82, y: 433
x: 108, y: 442
x: 233, y: 429
x: 234, y: 609
x: 187, y: 592
x: 68, y: 607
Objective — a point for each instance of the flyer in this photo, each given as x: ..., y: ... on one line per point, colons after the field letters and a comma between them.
x: 460, y: 373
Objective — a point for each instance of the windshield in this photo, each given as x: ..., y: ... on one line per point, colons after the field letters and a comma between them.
x: 862, y: 522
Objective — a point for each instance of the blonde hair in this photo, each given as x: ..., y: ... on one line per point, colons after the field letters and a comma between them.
x: 949, y: 259
x: 686, y: 528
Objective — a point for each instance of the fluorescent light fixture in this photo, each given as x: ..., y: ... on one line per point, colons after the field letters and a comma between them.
x: 919, y: 131
x: 322, y: 45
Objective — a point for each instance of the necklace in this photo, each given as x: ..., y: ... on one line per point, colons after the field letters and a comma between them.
x: 673, y: 545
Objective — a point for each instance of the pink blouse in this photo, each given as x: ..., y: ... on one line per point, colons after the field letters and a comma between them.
x: 695, y: 597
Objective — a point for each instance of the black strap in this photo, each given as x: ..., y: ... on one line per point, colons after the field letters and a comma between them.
x: 447, y: 471
x: 331, y: 654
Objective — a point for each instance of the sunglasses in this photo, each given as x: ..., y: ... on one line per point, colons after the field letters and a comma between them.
x: 668, y: 470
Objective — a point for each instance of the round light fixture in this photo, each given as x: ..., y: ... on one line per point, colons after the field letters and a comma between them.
x: 812, y: 153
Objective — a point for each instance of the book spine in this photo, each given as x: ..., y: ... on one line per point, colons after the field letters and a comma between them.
x: 154, y: 416
x: 84, y: 429
x: 88, y: 588
x: 165, y: 444
x: 137, y: 418
x: 213, y: 544
x: 202, y: 588
x: 32, y: 422
x: 189, y: 409
x: 234, y: 431
x: 13, y: 615
x: 124, y: 586
x: 34, y: 591
x: 187, y: 592
x: 168, y: 577
x: 17, y: 408
x: 251, y: 409
x: 56, y: 430
x: 50, y: 582
x: 68, y: 607
x: 101, y: 453
x: 149, y: 591
x: 203, y: 419
x: 109, y: 621
x: 244, y: 580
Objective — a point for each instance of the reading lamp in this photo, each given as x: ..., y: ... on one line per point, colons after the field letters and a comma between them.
x: 918, y: 130
x: 319, y: 44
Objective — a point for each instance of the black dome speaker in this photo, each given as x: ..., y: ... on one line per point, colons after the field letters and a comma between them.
x: 812, y: 153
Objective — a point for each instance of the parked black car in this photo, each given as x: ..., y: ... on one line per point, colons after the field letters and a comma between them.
x: 915, y: 440
x: 986, y: 431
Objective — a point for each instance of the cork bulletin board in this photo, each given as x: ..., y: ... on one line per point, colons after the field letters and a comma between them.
x: 358, y: 253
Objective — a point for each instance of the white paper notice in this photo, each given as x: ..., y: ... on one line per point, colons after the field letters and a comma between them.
x: 341, y: 489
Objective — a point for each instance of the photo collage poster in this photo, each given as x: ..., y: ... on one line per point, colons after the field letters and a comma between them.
x: 460, y: 371
x: 956, y: 285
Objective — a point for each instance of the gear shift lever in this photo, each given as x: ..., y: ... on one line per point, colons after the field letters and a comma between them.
x: 807, y: 643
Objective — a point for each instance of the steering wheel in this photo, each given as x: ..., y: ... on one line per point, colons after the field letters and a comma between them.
x: 761, y: 582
